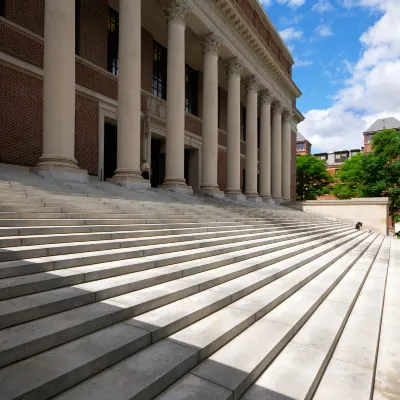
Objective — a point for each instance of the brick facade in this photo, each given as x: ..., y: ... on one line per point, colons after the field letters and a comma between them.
x: 21, y: 117
x: 87, y: 133
x: 26, y: 13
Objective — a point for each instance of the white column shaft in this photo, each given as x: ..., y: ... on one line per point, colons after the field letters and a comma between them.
x: 129, y: 83
x: 175, y: 104
x: 59, y: 82
x: 233, y: 137
x: 286, y: 159
x: 251, y: 143
x: 210, y: 122
x: 276, y: 155
x: 265, y: 151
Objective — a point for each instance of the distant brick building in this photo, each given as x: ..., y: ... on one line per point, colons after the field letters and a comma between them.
x: 379, y: 125
x: 303, y: 146
x: 334, y: 159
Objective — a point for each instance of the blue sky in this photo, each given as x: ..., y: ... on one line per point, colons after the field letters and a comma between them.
x: 347, y: 55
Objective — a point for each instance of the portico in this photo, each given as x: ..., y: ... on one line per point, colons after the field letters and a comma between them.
x: 252, y: 77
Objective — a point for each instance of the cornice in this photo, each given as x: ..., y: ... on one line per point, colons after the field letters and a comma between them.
x: 256, y: 42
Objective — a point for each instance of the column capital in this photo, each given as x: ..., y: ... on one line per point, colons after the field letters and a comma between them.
x: 277, y: 107
x: 265, y: 97
x: 287, y: 115
x: 175, y: 10
x: 251, y: 84
x: 233, y: 66
x: 211, y: 44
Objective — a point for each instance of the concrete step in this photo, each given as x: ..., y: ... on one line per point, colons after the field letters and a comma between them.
x: 25, y: 308
x: 350, y: 372
x: 309, y: 351
x: 153, y: 369
x: 48, y: 249
x: 387, y: 369
x: 163, y: 254
x: 41, y: 334
x: 41, y: 239
x: 109, y: 348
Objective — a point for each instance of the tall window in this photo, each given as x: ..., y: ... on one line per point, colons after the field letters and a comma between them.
x: 243, y: 128
x: 191, y: 81
x: 258, y: 132
x: 112, y: 45
x: 2, y: 8
x: 159, y: 71
x: 300, y: 146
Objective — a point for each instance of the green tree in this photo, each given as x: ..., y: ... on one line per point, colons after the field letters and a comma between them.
x: 312, y: 178
x: 376, y: 174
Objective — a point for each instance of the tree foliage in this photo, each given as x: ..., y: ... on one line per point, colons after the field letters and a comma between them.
x: 312, y: 178
x: 375, y: 174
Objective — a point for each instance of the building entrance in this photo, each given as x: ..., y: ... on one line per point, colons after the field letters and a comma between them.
x: 157, y: 162
x: 110, y: 151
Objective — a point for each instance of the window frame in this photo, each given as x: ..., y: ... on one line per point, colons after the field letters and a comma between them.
x: 112, y: 42
x: 159, y: 77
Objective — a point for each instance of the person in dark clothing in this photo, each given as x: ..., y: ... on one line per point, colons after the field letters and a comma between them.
x: 358, y: 226
x: 145, y: 168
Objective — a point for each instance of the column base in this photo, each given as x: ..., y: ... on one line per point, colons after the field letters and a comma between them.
x: 267, y: 199
x: 60, y: 168
x: 278, y: 200
x: 253, y: 197
x: 176, y: 185
x: 130, y: 179
x: 212, y: 191
x: 234, y: 195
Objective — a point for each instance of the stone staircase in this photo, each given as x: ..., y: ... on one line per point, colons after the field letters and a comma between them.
x: 107, y: 293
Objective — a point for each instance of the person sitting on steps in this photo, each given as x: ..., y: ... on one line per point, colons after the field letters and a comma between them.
x: 145, y: 168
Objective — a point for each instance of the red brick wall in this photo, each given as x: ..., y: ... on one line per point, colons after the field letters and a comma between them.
x: 27, y: 13
x: 21, y: 46
x: 21, y: 117
x: 87, y: 133
x: 222, y: 170
x: 93, y: 31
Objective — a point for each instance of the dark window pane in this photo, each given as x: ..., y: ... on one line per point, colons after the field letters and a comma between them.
x: 159, y: 71
x: 112, y: 41
x: 77, y: 24
x: 191, y: 80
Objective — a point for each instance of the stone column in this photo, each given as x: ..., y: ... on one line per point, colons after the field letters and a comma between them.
x: 58, y: 159
x: 251, y: 86
x: 265, y: 146
x: 233, y: 69
x: 286, y: 154
x: 209, y: 181
x: 129, y: 82
x: 176, y: 13
x: 276, y: 151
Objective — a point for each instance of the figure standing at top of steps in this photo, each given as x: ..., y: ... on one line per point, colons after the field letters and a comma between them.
x: 145, y: 168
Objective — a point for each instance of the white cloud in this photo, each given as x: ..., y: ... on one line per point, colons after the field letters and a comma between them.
x: 322, y: 6
x: 302, y: 63
x: 324, y: 30
x: 371, y: 92
x: 265, y: 3
x: 292, y: 3
x: 291, y: 33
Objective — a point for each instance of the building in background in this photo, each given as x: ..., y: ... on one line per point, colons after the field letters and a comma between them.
x: 334, y: 159
x: 379, y: 125
x: 303, y: 146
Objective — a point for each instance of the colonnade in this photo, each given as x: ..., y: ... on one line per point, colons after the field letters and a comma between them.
x: 59, y: 109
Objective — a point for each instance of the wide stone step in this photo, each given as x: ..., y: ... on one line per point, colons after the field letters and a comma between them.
x: 21, y: 340
x: 102, y: 349
x: 350, y: 372
x: 32, y: 306
x: 44, y: 250
x: 150, y: 371
x: 162, y: 254
x: 29, y: 240
x: 239, y: 363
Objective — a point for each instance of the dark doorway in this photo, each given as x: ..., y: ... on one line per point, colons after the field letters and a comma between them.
x: 243, y: 180
x: 110, y: 150
x: 157, y: 163
x: 186, y: 166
